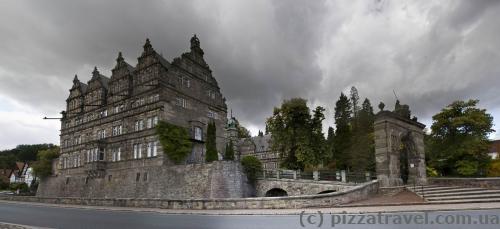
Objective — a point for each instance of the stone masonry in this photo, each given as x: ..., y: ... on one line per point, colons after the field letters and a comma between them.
x: 393, y: 133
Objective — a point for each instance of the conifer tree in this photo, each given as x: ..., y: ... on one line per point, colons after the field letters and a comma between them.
x: 210, y: 144
x: 342, y: 140
x: 229, y: 152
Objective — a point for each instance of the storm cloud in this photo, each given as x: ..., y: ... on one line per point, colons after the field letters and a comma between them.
x: 261, y: 52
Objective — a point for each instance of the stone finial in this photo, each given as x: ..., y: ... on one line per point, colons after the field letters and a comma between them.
x: 195, y: 42
x: 95, y: 72
x: 147, y: 46
x: 75, y: 80
x: 119, y: 59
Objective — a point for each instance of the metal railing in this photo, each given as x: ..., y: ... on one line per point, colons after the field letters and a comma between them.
x: 318, y: 175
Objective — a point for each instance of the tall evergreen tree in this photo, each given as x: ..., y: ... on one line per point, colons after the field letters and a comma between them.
x: 329, y: 148
x: 210, y: 144
x: 342, y: 140
x: 229, y: 152
x: 313, y: 154
x: 354, y: 106
x: 362, y: 142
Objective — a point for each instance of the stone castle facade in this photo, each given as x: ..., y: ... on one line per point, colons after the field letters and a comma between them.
x: 108, y: 143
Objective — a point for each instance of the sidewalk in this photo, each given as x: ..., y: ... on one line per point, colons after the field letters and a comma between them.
x: 343, y: 209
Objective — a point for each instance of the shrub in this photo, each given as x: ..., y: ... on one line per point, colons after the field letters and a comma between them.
x: 494, y: 170
x: 174, y: 140
x: 43, y: 166
x: 252, y: 168
x: 22, y: 187
x: 3, y: 185
x: 431, y: 172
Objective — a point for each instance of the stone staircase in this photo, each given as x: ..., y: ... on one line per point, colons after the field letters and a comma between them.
x: 455, y: 194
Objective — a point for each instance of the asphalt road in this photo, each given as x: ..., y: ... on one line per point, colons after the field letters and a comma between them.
x: 56, y: 217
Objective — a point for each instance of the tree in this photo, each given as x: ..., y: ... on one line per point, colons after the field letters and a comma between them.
x: 252, y: 168
x: 342, y: 140
x: 243, y: 132
x: 362, y: 140
x: 174, y: 140
x: 313, y: 153
x: 354, y: 105
x: 229, y: 152
x: 261, y: 134
x: 43, y: 166
x: 210, y: 144
x: 458, y: 143
x: 329, y: 148
x: 289, y: 128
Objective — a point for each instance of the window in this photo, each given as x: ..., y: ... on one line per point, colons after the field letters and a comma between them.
x: 211, y: 94
x: 155, y: 120
x: 137, y: 151
x: 139, y: 125
x: 212, y: 114
x: 117, y: 130
x: 155, y: 148
x: 149, y: 123
x: 181, y: 102
x: 137, y: 177
x: 152, y: 149
x: 116, y: 154
x: 198, y: 133
x: 145, y: 177
x: 104, y: 113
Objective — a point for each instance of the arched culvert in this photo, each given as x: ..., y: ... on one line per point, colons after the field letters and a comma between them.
x: 276, y: 192
x: 327, y: 191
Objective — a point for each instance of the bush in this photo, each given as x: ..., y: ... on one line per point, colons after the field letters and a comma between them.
x: 431, y: 172
x: 174, y: 140
x: 3, y: 185
x: 43, y: 166
x: 22, y: 187
x: 494, y: 170
x: 252, y: 168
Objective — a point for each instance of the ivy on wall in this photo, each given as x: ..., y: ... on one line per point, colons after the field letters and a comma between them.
x: 174, y: 140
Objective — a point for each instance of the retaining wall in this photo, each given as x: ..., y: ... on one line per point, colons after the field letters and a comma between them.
x: 357, y: 193
x: 483, y: 182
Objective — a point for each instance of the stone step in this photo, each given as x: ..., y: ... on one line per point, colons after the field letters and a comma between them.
x: 464, y: 197
x: 454, y: 190
x: 434, y: 188
x: 464, y: 193
x: 489, y: 200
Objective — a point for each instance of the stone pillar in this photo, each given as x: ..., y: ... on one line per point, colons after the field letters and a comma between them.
x: 389, y: 129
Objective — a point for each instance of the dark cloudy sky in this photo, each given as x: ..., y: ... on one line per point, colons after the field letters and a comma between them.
x: 261, y: 52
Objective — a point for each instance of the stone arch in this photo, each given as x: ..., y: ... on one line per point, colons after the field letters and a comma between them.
x: 399, y: 150
x: 327, y: 191
x: 273, y: 192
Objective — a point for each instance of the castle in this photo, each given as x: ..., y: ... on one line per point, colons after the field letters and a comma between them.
x: 108, y: 143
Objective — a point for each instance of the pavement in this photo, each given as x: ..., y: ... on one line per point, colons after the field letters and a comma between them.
x: 354, y: 209
x: 16, y: 215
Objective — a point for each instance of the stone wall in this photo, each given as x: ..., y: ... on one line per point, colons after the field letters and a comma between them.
x: 360, y: 192
x: 299, y: 187
x: 148, y: 178
x: 485, y: 182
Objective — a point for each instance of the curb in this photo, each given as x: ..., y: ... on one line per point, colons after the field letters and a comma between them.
x: 335, y: 210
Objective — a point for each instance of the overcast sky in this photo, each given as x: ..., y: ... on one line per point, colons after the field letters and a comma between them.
x: 261, y: 52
